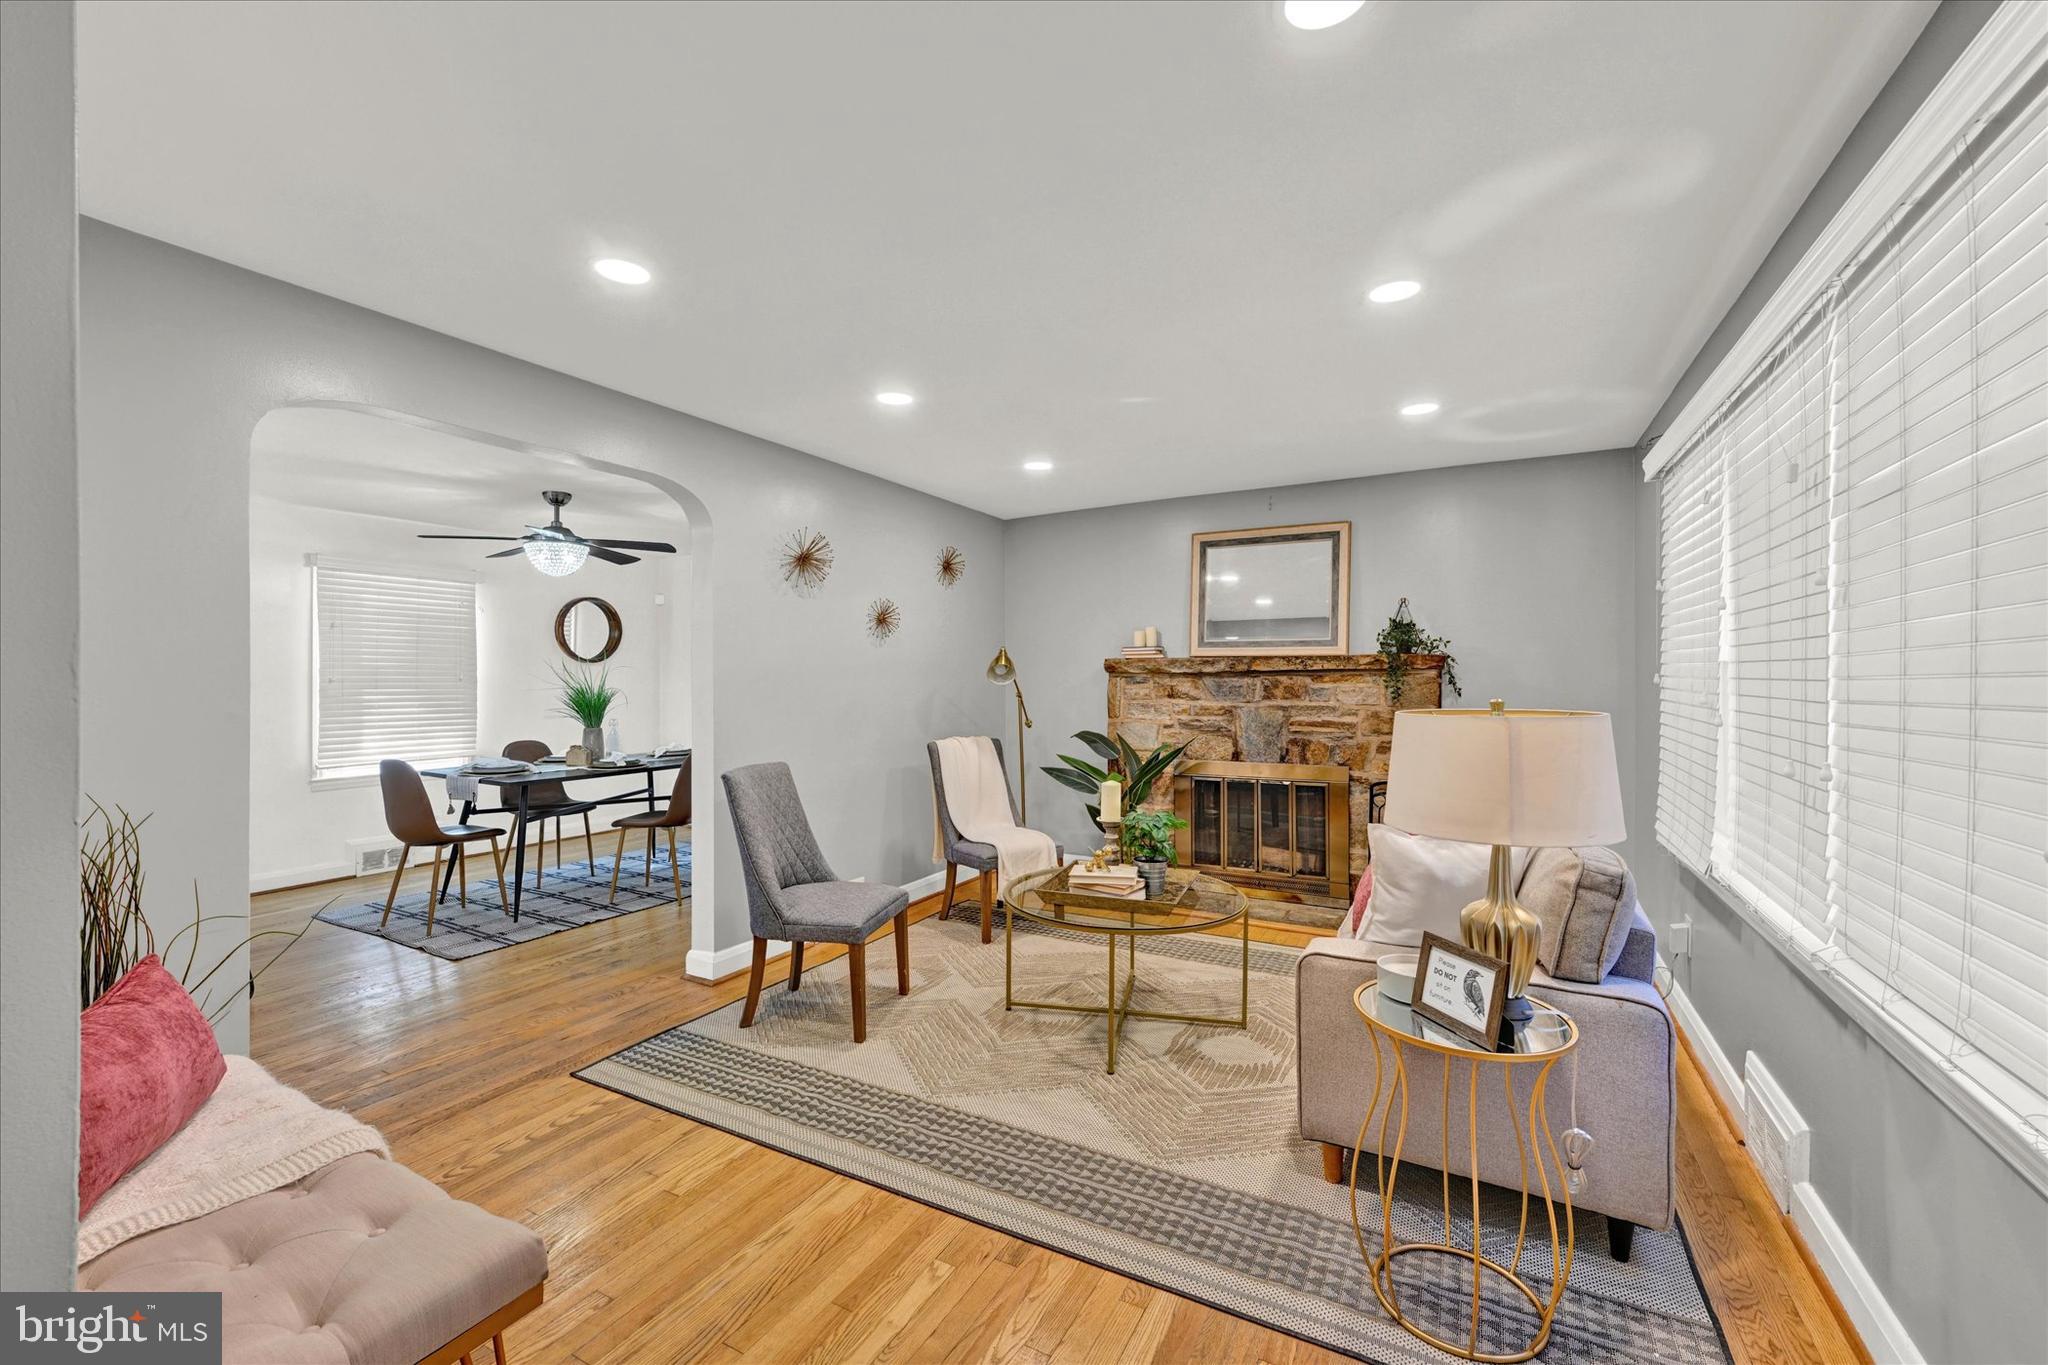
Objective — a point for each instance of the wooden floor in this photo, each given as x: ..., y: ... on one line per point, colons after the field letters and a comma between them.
x: 668, y: 1241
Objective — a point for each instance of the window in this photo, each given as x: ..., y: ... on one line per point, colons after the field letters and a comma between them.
x: 394, y: 668
x: 1853, y: 661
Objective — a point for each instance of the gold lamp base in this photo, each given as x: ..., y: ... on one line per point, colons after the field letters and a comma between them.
x: 1499, y: 927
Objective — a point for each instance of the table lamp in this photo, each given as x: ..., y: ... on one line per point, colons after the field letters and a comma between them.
x: 1000, y: 671
x: 1512, y: 779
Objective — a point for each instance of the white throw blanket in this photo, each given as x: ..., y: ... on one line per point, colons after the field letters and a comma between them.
x: 253, y: 1135
x: 979, y: 802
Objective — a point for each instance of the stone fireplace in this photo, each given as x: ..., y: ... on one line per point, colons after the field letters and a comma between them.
x: 1267, y: 737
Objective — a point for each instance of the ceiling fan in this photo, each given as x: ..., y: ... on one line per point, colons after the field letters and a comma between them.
x: 557, y: 551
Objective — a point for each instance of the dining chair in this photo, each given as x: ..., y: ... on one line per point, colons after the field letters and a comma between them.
x: 549, y: 801
x: 961, y: 851
x: 792, y: 894
x: 409, y: 815
x: 676, y: 817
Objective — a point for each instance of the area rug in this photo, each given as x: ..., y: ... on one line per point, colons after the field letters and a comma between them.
x: 1184, y: 1170
x: 569, y: 897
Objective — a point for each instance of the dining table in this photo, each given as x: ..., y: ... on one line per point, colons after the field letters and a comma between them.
x: 516, y: 787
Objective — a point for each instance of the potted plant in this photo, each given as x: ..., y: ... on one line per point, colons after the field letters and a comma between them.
x: 1148, y: 842
x: 1138, y: 774
x: 588, y: 696
x: 1402, y: 636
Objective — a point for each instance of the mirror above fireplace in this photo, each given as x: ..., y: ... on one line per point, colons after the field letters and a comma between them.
x: 1276, y: 590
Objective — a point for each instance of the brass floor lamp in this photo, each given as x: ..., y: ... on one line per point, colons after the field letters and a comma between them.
x: 1000, y: 671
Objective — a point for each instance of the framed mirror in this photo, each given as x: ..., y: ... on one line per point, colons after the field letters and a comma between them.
x: 588, y: 629
x: 1275, y: 590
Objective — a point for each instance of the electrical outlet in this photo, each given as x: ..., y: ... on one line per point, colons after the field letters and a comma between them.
x: 1678, y: 939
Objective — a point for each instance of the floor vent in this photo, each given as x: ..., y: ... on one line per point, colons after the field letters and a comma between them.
x: 1778, y: 1139
x: 374, y: 855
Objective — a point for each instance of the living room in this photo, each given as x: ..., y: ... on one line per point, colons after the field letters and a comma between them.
x: 1165, y: 457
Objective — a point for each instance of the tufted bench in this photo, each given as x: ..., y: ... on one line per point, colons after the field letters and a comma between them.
x: 361, y: 1263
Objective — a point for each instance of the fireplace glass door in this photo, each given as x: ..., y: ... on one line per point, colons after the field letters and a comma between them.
x: 1266, y: 824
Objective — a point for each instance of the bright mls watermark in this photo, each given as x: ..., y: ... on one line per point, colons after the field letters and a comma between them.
x: 166, y: 1329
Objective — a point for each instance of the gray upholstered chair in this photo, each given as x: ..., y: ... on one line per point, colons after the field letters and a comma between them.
x: 964, y: 852
x: 792, y: 894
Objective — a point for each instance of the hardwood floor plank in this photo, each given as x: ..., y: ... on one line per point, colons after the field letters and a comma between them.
x: 669, y: 1240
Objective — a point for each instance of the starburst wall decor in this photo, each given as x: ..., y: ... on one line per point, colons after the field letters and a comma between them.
x: 806, y: 560
x: 884, y: 618
x: 952, y: 565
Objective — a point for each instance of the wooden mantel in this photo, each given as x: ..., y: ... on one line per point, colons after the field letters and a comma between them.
x: 1277, y: 708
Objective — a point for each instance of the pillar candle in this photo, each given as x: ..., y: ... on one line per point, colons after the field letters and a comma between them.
x: 1111, y: 795
x: 1152, y: 636
x: 1138, y: 638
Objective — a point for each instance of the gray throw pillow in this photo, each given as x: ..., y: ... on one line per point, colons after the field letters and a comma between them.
x: 1586, y: 901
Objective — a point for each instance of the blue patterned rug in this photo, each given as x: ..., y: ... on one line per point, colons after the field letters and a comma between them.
x: 569, y: 897
x: 1184, y: 1170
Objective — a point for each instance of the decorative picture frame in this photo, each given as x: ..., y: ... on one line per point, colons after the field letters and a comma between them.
x: 1461, y: 990
x: 1270, y: 590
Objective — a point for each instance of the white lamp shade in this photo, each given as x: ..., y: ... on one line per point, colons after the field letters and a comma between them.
x: 1528, y: 779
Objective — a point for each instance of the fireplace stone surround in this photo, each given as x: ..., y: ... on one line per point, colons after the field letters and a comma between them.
x: 1283, y: 708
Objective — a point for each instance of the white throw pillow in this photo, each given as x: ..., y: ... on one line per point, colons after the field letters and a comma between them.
x: 1419, y: 885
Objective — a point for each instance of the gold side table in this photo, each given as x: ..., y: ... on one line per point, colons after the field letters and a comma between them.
x: 1548, y: 1036
x: 1192, y: 902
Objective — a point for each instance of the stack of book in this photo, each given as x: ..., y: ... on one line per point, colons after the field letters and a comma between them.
x: 1144, y: 652
x: 1120, y: 880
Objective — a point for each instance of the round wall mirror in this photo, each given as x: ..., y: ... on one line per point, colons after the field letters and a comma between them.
x: 588, y: 629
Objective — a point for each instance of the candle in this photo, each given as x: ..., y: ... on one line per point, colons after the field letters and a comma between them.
x: 1152, y: 636
x: 1138, y: 638
x: 1111, y: 795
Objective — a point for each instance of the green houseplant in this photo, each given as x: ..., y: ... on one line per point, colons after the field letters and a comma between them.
x: 588, y: 696
x: 1402, y: 636
x: 1139, y: 774
x: 1148, y: 842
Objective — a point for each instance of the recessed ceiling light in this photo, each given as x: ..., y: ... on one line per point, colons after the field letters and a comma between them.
x: 1038, y: 466
x: 1226, y: 578
x: 1393, y: 291
x: 622, y: 272
x: 1262, y: 601
x: 1419, y: 409
x: 1314, y: 14
x: 892, y: 399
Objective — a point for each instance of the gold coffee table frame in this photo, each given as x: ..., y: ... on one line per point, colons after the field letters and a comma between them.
x: 1192, y: 903
x: 1553, y: 1035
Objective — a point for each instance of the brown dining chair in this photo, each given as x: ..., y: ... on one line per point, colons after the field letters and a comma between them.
x: 410, y: 817
x: 549, y: 801
x: 674, y: 818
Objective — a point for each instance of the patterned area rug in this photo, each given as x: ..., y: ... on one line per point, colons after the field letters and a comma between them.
x: 1184, y: 1170
x: 569, y: 898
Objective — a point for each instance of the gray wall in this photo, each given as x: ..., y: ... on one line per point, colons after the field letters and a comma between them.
x: 1954, y: 1237
x: 39, y: 666
x: 181, y: 356
x: 1527, y: 566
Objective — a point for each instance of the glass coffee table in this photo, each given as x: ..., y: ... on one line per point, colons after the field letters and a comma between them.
x: 1192, y: 903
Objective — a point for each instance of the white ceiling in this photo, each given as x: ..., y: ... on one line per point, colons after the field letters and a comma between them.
x: 349, y: 461
x: 1132, y: 238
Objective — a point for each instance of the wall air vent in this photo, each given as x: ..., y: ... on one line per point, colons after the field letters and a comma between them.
x: 1778, y: 1139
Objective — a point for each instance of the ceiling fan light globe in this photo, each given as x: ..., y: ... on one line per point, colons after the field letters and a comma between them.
x: 556, y: 558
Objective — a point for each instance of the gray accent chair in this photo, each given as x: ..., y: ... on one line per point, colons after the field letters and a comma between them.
x: 792, y: 894
x: 1626, y: 1083
x: 964, y: 852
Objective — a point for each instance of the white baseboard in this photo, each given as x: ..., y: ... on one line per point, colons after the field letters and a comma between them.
x: 1882, y: 1332
x: 298, y: 876
x: 1721, y: 1073
x: 925, y: 886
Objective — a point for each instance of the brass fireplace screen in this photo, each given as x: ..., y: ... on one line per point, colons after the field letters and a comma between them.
x: 1282, y: 827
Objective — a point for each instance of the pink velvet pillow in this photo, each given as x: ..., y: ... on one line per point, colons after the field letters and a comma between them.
x: 146, y: 1061
x: 1359, y: 900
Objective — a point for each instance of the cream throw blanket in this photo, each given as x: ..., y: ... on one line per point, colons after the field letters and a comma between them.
x: 253, y: 1135
x: 979, y: 801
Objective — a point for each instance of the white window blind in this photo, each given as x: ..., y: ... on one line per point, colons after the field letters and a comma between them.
x: 394, y: 667
x: 1854, y: 630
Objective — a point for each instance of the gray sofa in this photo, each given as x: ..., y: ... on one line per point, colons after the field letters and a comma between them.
x: 1626, y: 1082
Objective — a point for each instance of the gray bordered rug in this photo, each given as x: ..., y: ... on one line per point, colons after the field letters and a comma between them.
x: 569, y: 897
x: 1184, y: 1170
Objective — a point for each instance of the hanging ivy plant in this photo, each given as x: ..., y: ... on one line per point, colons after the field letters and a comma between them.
x: 1402, y: 636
